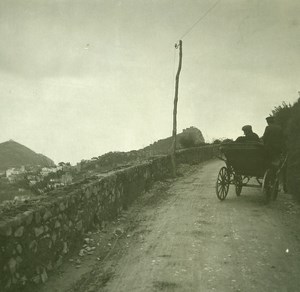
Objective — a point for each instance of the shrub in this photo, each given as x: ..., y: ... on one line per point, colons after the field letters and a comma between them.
x: 187, y: 141
x: 288, y: 117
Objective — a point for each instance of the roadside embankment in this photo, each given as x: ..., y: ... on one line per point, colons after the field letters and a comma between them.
x: 36, y: 236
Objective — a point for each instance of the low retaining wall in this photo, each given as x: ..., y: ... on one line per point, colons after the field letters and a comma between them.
x: 34, y: 242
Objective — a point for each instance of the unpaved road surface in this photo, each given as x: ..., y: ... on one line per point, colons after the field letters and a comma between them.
x: 180, y: 237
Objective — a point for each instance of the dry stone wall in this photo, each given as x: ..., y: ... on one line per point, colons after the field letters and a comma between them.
x: 35, y: 241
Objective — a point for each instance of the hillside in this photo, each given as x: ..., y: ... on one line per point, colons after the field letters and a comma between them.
x: 188, y: 138
x: 13, y: 154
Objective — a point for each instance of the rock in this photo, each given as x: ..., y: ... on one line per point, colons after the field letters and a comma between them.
x: 50, y: 266
x: 28, y: 217
x: 47, y: 215
x: 12, y: 265
x: 33, y: 246
x: 65, y: 248
x: 87, y: 240
x: 8, y: 284
x: 19, y: 232
x: 119, y: 232
x: 36, y: 279
x: 19, y: 260
x: 62, y: 207
x: 44, y: 276
x: 14, y: 280
x: 79, y: 225
x: 53, y: 237
x: 19, y: 248
x: 38, y: 231
x: 57, y: 224
x: 37, y: 217
x: 5, y: 229
x: 59, y: 261
x: 23, y: 280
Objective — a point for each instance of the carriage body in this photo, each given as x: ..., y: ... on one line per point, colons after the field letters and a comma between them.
x: 248, y: 159
x: 243, y: 162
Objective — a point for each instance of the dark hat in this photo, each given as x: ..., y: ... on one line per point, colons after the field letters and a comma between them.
x: 247, y: 128
x: 270, y: 119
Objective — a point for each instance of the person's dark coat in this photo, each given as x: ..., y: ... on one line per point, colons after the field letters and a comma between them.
x: 251, y: 137
x: 273, y: 140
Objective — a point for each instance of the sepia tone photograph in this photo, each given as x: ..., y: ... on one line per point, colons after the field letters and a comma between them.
x: 149, y: 145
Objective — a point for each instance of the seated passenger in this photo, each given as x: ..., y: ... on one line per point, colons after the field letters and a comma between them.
x: 249, y: 135
x: 273, y: 139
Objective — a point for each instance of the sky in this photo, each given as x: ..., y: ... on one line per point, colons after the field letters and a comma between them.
x: 82, y: 78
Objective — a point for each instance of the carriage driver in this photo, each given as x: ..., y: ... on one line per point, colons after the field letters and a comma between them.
x: 273, y: 139
x: 249, y: 135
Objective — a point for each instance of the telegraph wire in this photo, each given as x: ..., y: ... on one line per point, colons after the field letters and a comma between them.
x: 200, y: 19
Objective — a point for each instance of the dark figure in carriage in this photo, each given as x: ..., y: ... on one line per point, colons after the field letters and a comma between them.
x: 275, y: 148
x: 273, y: 140
x: 249, y: 135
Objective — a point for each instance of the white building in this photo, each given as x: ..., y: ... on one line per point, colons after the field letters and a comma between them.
x: 11, y: 173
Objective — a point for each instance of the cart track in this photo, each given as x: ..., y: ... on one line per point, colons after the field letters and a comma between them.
x: 180, y: 237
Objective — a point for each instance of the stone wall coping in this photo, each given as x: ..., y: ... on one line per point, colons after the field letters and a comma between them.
x: 58, y: 196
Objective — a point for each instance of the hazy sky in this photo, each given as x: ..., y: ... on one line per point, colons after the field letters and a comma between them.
x: 81, y: 78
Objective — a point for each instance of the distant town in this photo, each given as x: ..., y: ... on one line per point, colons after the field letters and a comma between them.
x: 36, y: 180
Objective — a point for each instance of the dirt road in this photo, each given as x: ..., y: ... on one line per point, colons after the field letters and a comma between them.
x: 180, y: 237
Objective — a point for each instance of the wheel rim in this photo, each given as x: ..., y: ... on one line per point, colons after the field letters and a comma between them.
x: 268, y: 186
x: 222, y: 184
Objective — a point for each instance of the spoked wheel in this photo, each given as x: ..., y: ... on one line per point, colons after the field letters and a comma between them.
x: 238, y: 181
x: 270, y: 185
x: 222, y: 185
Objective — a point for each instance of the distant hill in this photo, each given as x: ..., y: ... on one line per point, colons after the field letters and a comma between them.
x: 189, y: 137
x: 13, y: 154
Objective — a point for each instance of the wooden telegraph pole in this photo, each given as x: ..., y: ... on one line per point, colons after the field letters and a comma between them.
x: 173, y: 149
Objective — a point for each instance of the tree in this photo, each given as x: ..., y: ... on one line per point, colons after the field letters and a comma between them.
x: 187, y: 141
x: 288, y: 117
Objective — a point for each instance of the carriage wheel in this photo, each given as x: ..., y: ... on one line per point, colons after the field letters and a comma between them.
x: 222, y: 184
x: 238, y: 181
x: 270, y: 185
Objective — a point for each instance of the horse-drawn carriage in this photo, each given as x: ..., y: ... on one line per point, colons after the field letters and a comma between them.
x: 245, y: 161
